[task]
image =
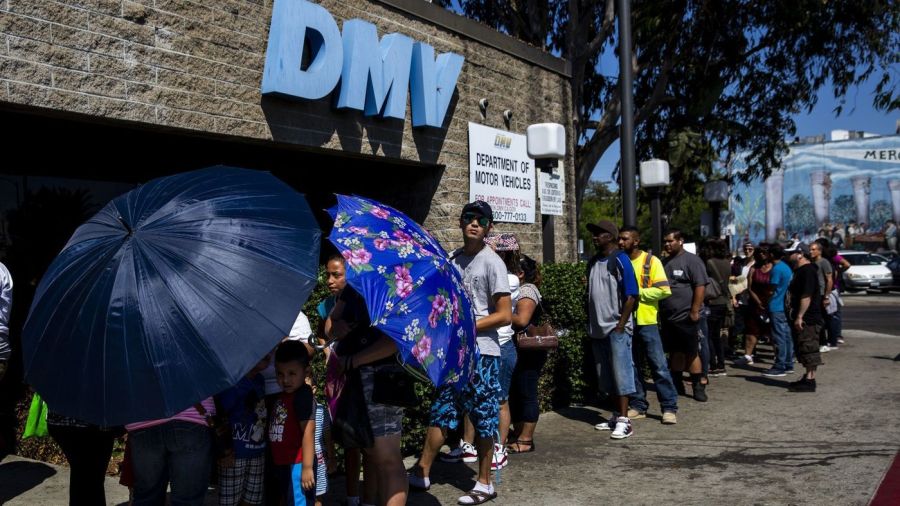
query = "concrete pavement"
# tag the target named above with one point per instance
(752, 443)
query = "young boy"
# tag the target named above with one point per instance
(292, 427)
(241, 479)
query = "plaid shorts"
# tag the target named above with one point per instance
(242, 481)
(480, 399)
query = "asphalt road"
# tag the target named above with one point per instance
(753, 443)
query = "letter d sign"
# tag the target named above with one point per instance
(296, 23)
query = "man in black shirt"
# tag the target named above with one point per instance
(806, 316)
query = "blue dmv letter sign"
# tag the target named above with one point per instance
(374, 74)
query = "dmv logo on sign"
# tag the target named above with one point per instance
(374, 74)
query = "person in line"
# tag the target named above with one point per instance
(756, 319)
(524, 404)
(612, 297)
(364, 350)
(718, 269)
(173, 453)
(680, 313)
(833, 318)
(806, 317)
(653, 286)
(336, 280)
(242, 471)
(825, 273)
(325, 461)
(87, 448)
(8, 422)
(780, 279)
(486, 281)
(292, 427)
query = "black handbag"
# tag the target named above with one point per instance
(351, 426)
(395, 387)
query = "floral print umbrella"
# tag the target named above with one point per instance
(412, 291)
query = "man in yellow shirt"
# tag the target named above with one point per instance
(653, 287)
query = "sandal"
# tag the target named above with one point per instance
(476, 497)
(518, 446)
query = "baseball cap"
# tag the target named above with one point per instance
(801, 248)
(603, 226)
(478, 207)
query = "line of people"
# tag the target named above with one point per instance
(271, 442)
(681, 313)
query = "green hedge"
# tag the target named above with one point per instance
(566, 379)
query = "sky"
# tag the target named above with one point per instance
(858, 114)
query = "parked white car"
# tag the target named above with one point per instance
(867, 271)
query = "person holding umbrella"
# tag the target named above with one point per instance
(485, 279)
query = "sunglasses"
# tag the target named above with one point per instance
(483, 221)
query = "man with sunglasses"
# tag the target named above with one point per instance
(485, 278)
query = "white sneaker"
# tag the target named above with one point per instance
(464, 452)
(745, 360)
(500, 459)
(608, 424)
(623, 428)
(824, 349)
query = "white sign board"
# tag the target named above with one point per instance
(501, 174)
(552, 188)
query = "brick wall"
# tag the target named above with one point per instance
(197, 65)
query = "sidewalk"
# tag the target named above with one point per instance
(752, 443)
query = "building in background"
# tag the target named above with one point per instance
(852, 178)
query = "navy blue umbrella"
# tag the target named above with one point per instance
(170, 294)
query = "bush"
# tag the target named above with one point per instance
(566, 379)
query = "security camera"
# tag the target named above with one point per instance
(507, 115)
(483, 104)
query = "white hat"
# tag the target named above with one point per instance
(301, 329)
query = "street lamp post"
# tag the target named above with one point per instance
(654, 177)
(626, 140)
(716, 192)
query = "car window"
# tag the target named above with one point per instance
(864, 259)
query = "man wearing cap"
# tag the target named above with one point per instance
(486, 282)
(612, 295)
(806, 316)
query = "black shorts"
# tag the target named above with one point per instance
(681, 336)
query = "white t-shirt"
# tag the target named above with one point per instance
(505, 334)
(301, 331)
(6, 286)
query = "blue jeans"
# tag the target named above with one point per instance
(833, 322)
(615, 367)
(175, 452)
(781, 334)
(703, 323)
(508, 359)
(649, 344)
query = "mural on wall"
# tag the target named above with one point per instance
(831, 183)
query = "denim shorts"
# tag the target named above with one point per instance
(386, 420)
(615, 368)
(508, 357)
(479, 399)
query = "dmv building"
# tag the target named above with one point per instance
(398, 100)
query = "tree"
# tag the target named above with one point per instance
(843, 210)
(718, 77)
(879, 215)
(799, 217)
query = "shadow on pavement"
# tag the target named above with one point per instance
(18, 477)
(772, 382)
(457, 475)
(580, 414)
